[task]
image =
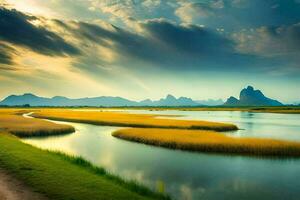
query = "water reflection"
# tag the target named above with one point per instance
(186, 175)
(262, 125)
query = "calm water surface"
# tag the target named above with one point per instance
(188, 175)
(263, 125)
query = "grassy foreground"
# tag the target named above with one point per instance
(209, 141)
(56, 175)
(61, 177)
(12, 121)
(129, 120)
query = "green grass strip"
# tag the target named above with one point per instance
(63, 177)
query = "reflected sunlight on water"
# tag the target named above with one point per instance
(186, 175)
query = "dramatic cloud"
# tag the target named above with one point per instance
(189, 12)
(270, 41)
(16, 28)
(158, 43)
(5, 55)
(191, 39)
(233, 15)
(136, 45)
(126, 8)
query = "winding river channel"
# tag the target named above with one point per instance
(186, 175)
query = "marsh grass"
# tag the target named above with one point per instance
(108, 118)
(260, 109)
(209, 141)
(12, 121)
(59, 176)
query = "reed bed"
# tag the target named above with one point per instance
(260, 109)
(209, 141)
(11, 121)
(110, 118)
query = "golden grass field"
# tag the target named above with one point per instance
(111, 118)
(279, 109)
(209, 141)
(13, 122)
(78, 178)
(145, 128)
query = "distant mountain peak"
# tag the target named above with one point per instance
(56, 97)
(28, 95)
(251, 97)
(170, 100)
(146, 102)
(231, 101)
(170, 97)
(250, 88)
(184, 98)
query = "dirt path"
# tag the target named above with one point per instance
(13, 189)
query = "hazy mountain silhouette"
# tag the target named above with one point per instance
(170, 101)
(33, 100)
(211, 102)
(232, 101)
(248, 97)
(251, 97)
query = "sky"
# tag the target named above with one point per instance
(141, 49)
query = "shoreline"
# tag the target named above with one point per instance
(253, 109)
(210, 142)
(39, 169)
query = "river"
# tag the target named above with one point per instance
(187, 175)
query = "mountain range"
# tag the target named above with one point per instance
(211, 102)
(248, 97)
(251, 97)
(105, 101)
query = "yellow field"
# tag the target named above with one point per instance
(280, 109)
(209, 141)
(129, 120)
(170, 133)
(12, 121)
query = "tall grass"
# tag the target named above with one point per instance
(40, 132)
(209, 141)
(11, 121)
(129, 120)
(261, 109)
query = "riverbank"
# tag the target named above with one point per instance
(61, 177)
(209, 141)
(55, 175)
